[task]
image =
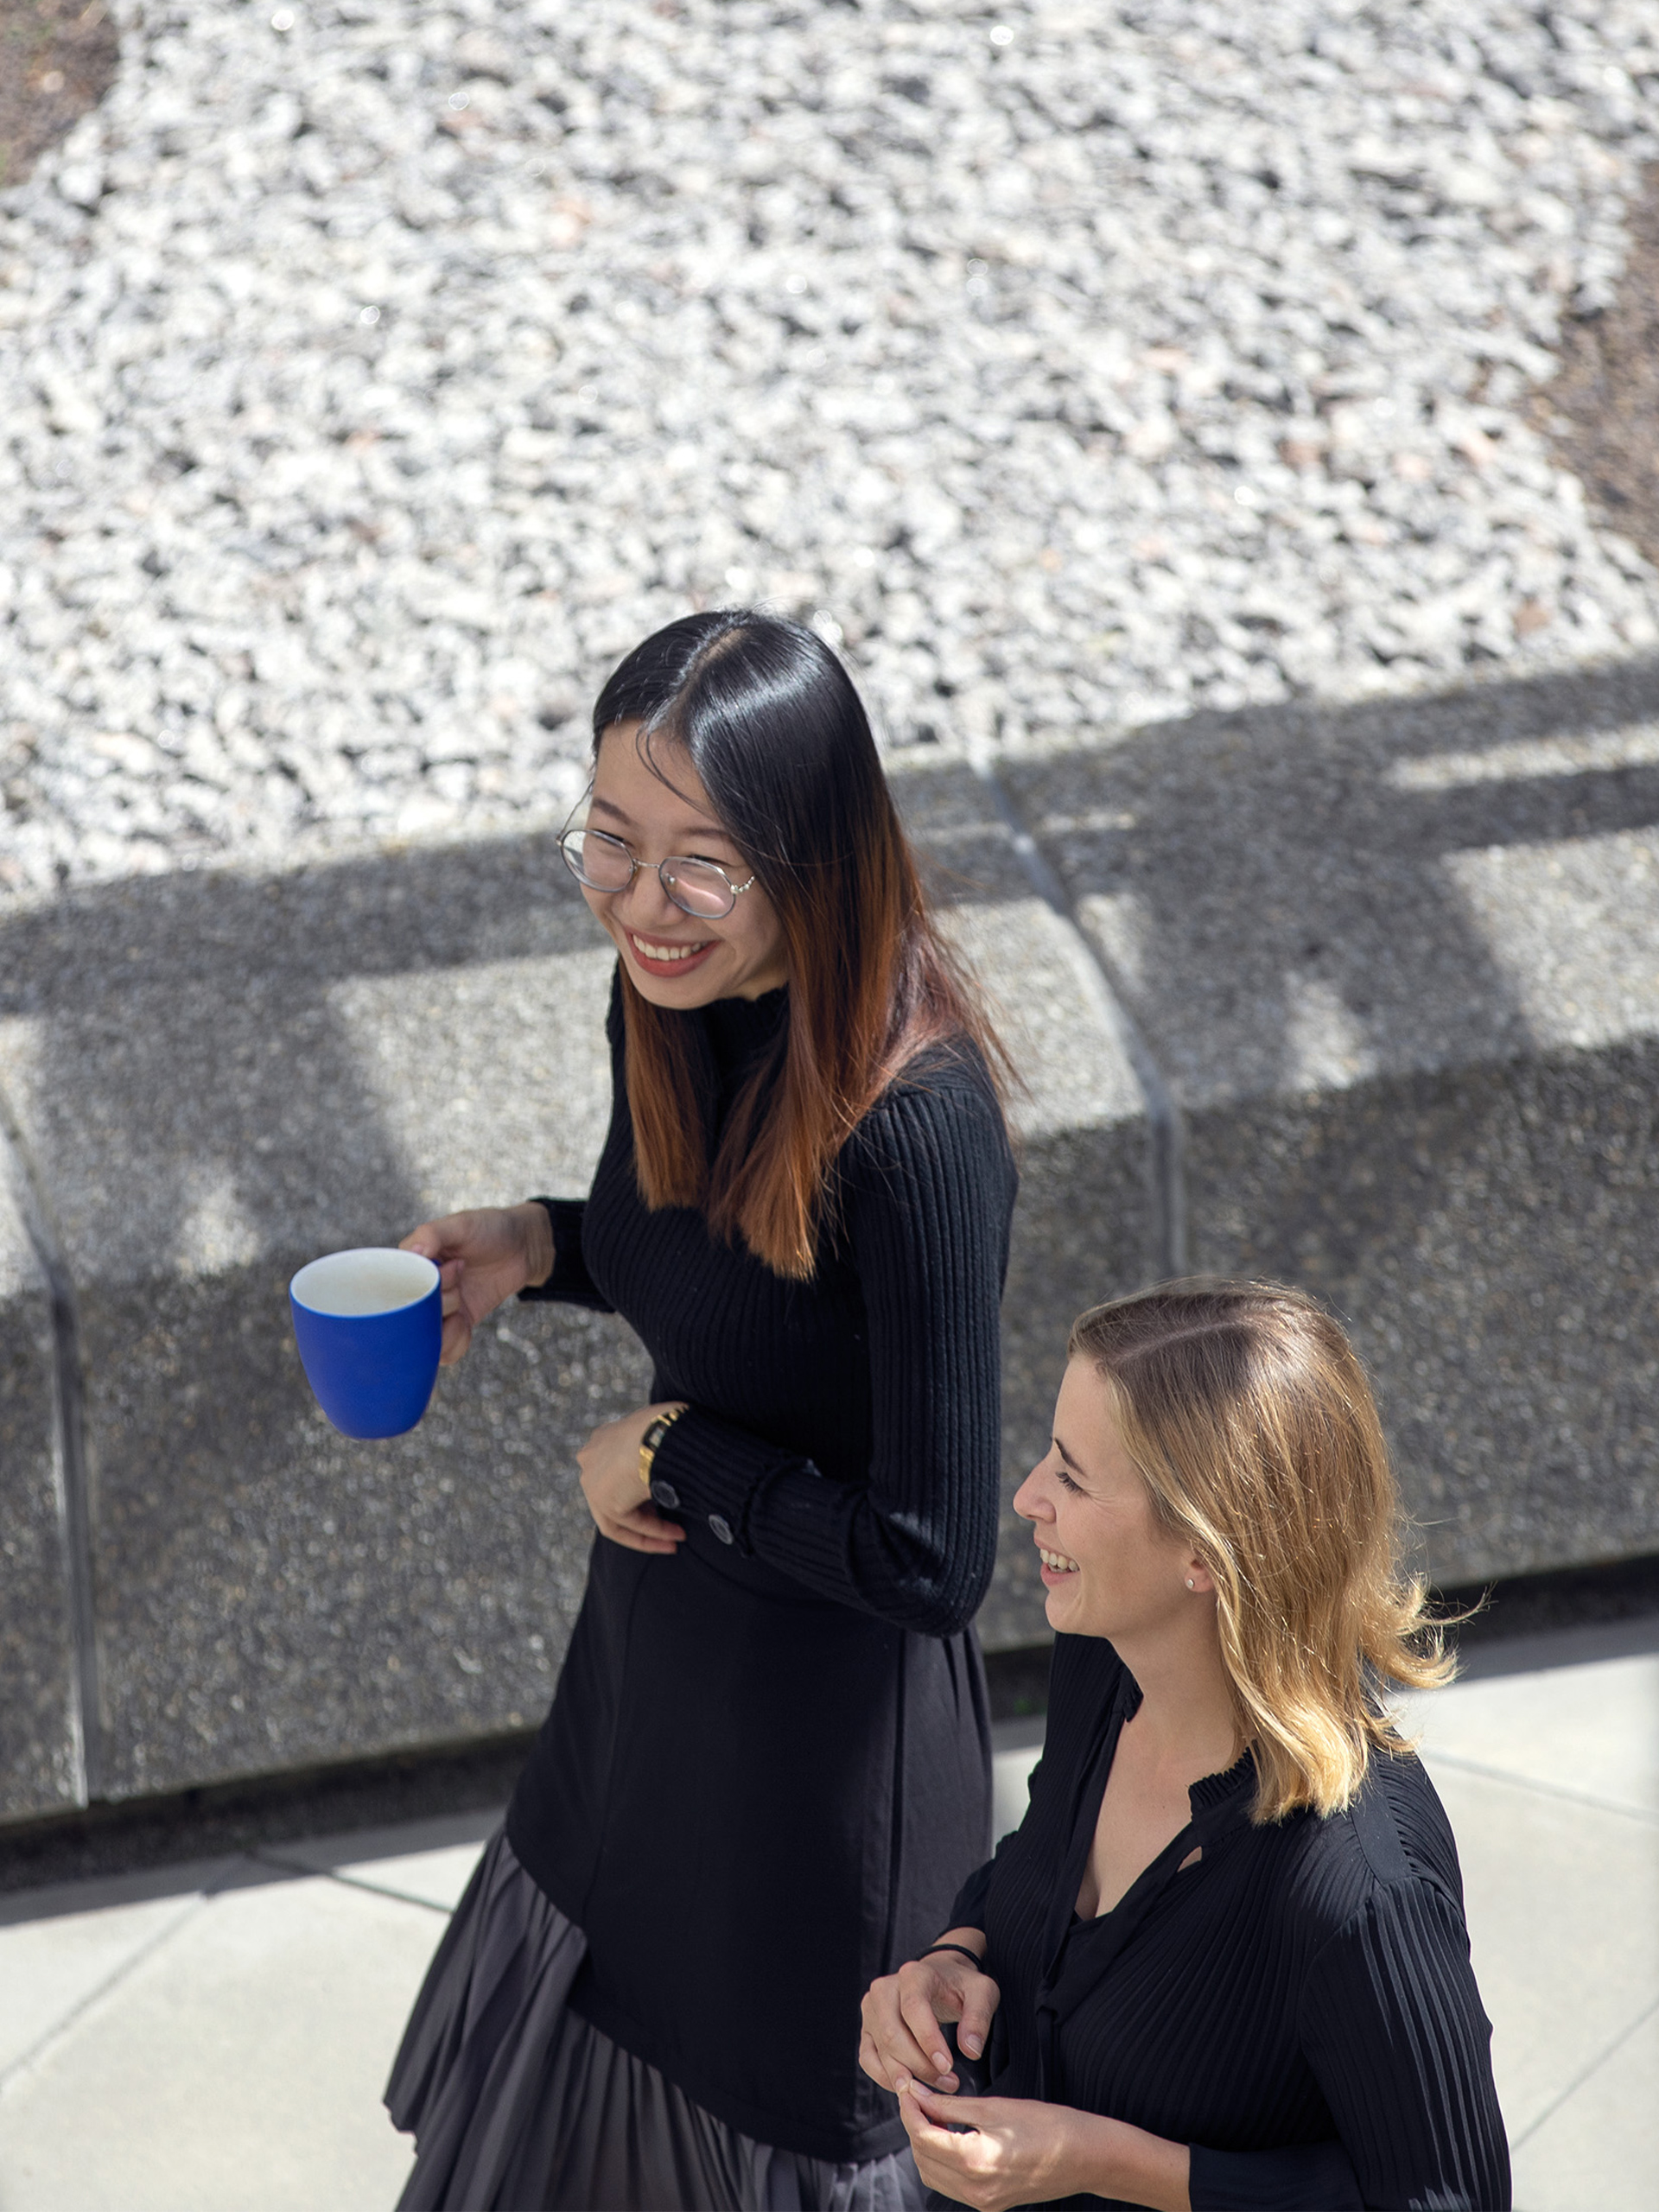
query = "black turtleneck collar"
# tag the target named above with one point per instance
(738, 1029)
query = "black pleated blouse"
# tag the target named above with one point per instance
(765, 1772)
(1298, 2006)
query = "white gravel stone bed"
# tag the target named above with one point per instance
(371, 374)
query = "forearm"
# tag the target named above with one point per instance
(1108, 2158)
(925, 1192)
(922, 1563)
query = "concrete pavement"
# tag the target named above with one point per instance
(214, 2038)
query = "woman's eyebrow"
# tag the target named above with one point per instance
(1066, 1455)
(704, 833)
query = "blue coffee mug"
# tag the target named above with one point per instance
(369, 1324)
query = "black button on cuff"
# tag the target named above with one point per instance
(665, 1494)
(723, 1528)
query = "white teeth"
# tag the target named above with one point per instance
(1057, 1562)
(663, 951)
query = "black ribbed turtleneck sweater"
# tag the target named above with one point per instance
(765, 1770)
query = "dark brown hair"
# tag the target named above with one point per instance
(777, 737)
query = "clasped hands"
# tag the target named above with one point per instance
(995, 2152)
(489, 1255)
(986, 2151)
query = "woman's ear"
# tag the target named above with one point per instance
(1197, 1577)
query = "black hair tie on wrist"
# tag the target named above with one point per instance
(975, 1956)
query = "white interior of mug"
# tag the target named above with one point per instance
(368, 1280)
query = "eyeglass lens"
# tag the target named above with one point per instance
(605, 864)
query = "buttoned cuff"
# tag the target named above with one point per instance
(714, 1469)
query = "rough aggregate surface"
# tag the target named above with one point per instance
(372, 375)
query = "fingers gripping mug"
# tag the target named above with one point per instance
(369, 1324)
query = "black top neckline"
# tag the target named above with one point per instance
(739, 1027)
(1208, 1791)
(1212, 1795)
(1215, 1789)
(1216, 1805)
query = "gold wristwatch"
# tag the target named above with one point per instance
(652, 1437)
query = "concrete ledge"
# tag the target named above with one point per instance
(220, 1078)
(298, 1596)
(1401, 966)
(1397, 966)
(1487, 1233)
(40, 1751)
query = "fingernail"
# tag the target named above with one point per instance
(970, 2043)
(942, 2059)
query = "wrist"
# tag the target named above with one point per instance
(951, 1951)
(1088, 2160)
(962, 1939)
(1101, 2157)
(655, 1430)
(537, 1239)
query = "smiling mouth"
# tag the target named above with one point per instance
(1057, 1562)
(647, 950)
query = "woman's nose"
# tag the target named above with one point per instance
(644, 900)
(1029, 1502)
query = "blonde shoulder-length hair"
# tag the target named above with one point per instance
(1247, 1411)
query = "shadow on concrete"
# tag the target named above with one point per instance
(1340, 929)
(1401, 962)
(1278, 898)
(187, 1058)
(207, 1110)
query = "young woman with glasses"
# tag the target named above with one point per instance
(1223, 1963)
(765, 1770)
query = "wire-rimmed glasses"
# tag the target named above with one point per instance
(602, 862)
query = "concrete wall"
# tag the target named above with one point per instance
(1397, 969)
(1401, 964)
(40, 1765)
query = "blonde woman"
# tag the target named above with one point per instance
(1223, 1963)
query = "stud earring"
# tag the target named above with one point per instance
(1191, 1584)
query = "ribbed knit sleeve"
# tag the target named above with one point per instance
(1393, 2025)
(569, 1284)
(969, 1909)
(926, 1191)
(1393, 2030)
(1307, 2177)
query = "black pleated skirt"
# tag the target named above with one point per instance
(517, 2103)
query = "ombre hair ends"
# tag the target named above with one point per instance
(768, 719)
(1247, 1411)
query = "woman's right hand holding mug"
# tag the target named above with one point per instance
(902, 2014)
(483, 1257)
